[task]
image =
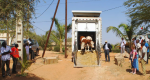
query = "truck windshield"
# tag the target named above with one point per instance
(148, 36)
(32, 41)
(1, 41)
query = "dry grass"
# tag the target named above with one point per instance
(87, 58)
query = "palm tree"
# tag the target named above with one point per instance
(128, 31)
(59, 35)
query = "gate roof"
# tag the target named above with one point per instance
(86, 13)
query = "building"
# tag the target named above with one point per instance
(3, 36)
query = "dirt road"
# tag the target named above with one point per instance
(64, 70)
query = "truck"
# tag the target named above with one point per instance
(86, 23)
(35, 46)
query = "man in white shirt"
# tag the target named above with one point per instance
(5, 52)
(135, 41)
(140, 40)
(27, 50)
(123, 43)
(144, 57)
(107, 48)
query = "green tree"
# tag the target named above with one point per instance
(9, 11)
(42, 41)
(139, 12)
(69, 39)
(128, 31)
(59, 35)
(9, 30)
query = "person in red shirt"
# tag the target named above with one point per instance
(15, 55)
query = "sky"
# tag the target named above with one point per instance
(112, 17)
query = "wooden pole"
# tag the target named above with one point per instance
(50, 28)
(66, 31)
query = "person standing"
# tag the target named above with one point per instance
(123, 43)
(133, 57)
(30, 48)
(27, 50)
(15, 56)
(141, 40)
(107, 48)
(147, 46)
(135, 41)
(138, 49)
(144, 57)
(5, 52)
(0, 54)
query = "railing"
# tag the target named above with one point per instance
(98, 51)
(74, 53)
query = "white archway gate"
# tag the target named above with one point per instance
(19, 34)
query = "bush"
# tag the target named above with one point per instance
(48, 48)
(57, 48)
(63, 49)
(40, 48)
(62, 53)
(116, 50)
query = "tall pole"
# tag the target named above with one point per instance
(50, 28)
(66, 31)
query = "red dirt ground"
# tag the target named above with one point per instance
(64, 70)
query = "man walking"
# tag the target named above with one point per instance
(5, 52)
(15, 55)
(144, 57)
(147, 46)
(107, 47)
(123, 43)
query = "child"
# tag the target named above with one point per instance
(27, 50)
(133, 58)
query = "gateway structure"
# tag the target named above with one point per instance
(86, 23)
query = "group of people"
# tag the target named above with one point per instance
(139, 53)
(6, 53)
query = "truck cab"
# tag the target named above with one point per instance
(35, 46)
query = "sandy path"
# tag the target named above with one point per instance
(64, 70)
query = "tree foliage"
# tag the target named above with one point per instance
(139, 11)
(58, 36)
(9, 11)
(9, 8)
(69, 39)
(128, 31)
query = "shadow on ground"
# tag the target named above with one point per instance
(28, 77)
(148, 72)
(14, 77)
(138, 73)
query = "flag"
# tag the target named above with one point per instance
(141, 27)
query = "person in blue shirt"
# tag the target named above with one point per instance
(147, 46)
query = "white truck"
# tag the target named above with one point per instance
(146, 37)
(86, 23)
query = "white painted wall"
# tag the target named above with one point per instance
(3, 36)
(86, 24)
